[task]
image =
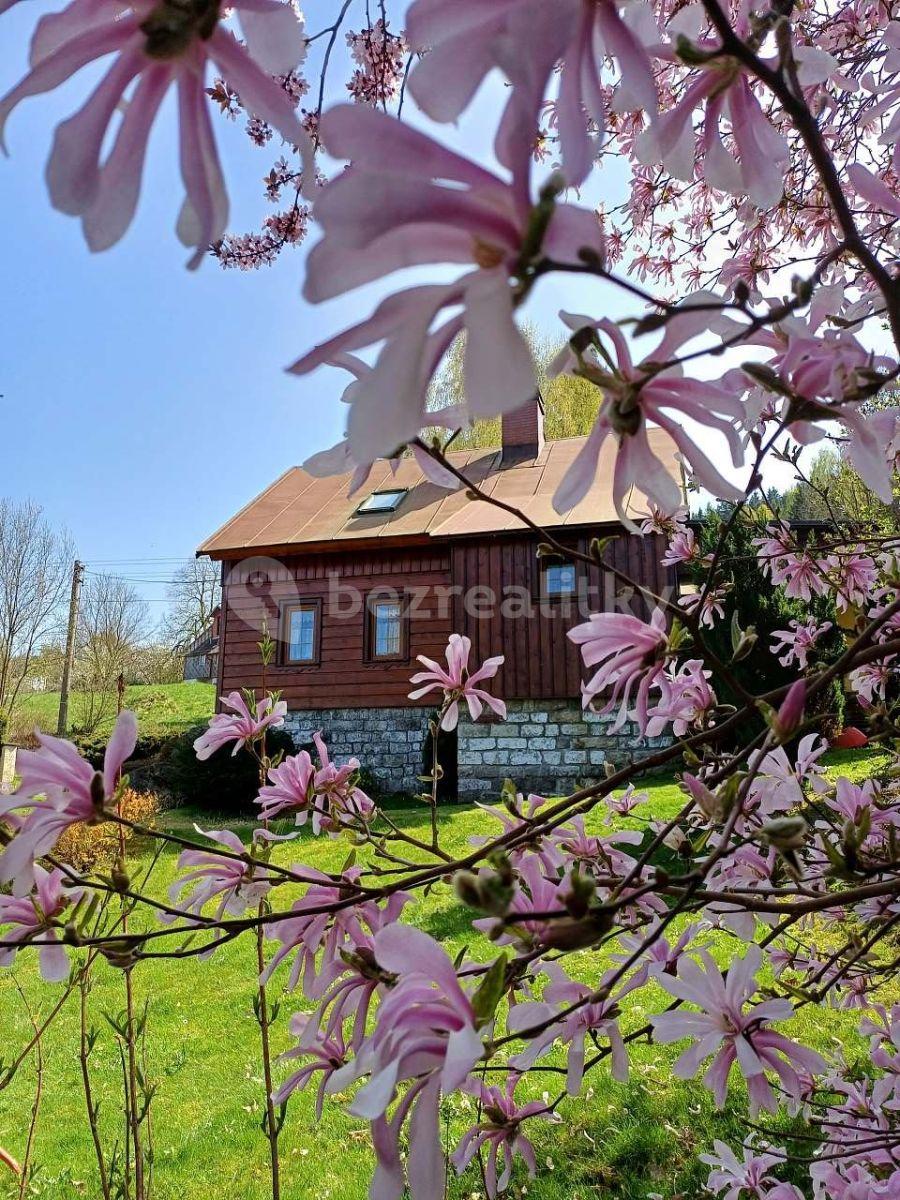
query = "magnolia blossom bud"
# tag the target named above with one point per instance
(119, 875)
(465, 884)
(785, 833)
(570, 934)
(98, 794)
(488, 890)
(790, 715)
(580, 895)
(711, 804)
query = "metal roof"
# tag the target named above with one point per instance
(300, 510)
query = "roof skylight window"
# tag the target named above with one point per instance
(383, 502)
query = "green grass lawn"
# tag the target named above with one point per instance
(618, 1140)
(161, 708)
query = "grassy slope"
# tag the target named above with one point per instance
(161, 708)
(625, 1140)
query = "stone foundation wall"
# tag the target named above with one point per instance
(545, 746)
(387, 741)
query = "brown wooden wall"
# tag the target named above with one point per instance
(342, 679)
(541, 663)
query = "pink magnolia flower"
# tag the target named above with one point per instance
(592, 1016)
(240, 725)
(824, 371)
(756, 166)
(595, 853)
(779, 785)
(801, 575)
(623, 805)
(516, 819)
(71, 791)
(629, 655)
(38, 916)
(534, 893)
(856, 575)
(795, 644)
(296, 786)
(407, 201)
(426, 1033)
(500, 1131)
(746, 1178)
(685, 699)
(861, 804)
(745, 868)
(333, 947)
(661, 957)
(725, 1029)
(526, 39)
(328, 1055)
(635, 395)
(774, 548)
(706, 607)
(883, 1030)
(668, 524)
(852, 1181)
(870, 681)
(235, 883)
(682, 548)
(158, 45)
(338, 459)
(883, 598)
(457, 684)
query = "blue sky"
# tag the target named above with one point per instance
(142, 403)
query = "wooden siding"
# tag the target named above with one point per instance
(541, 662)
(343, 677)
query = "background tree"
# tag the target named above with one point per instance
(35, 567)
(570, 403)
(830, 489)
(157, 662)
(46, 667)
(193, 594)
(113, 623)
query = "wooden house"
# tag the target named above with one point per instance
(352, 590)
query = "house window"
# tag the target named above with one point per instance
(559, 580)
(386, 631)
(382, 502)
(301, 632)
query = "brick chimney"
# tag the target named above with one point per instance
(523, 432)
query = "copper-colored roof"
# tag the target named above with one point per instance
(298, 509)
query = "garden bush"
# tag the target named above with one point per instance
(96, 847)
(148, 746)
(222, 783)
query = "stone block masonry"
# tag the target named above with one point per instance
(387, 741)
(545, 746)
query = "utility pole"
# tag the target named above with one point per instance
(63, 720)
